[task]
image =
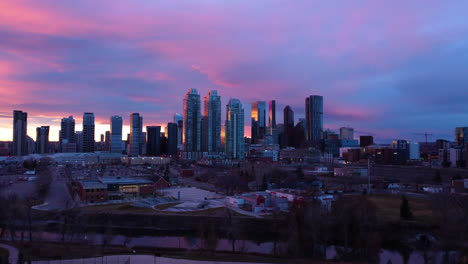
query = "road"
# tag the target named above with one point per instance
(58, 196)
(13, 258)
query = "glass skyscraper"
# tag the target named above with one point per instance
(234, 130)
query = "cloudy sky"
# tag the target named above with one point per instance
(387, 68)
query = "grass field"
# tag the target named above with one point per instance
(388, 208)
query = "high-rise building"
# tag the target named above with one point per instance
(414, 151)
(258, 121)
(234, 129)
(365, 141)
(153, 147)
(192, 121)
(79, 141)
(172, 135)
(136, 135)
(67, 132)
(288, 125)
(116, 134)
(314, 118)
(347, 133)
(20, 127)
(179, 120)
(88, 132)
(299, 133)
(461, 136)
(273, 130)
(42, 139)
(211, 131)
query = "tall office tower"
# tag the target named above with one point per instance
(20, 126)
(88, 132)
(258, 121)
(79, 141)
(365, 141)
(116, 134)
(314, 118)
(211, 131)
(107, 141)
(299, 133)
(461, 136)
(136, 135)
(67, 132)
(234, 130)
(172, 135)
(179, 120)
(273, 130)
(153, 147)
(42, 139)
(288, 125)
(347, 133)
(192, 121)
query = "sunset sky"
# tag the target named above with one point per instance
(387, 68)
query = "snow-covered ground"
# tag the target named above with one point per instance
(193, 199)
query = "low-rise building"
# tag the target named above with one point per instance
(92, 191)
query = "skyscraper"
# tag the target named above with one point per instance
(192, 121)
(153, 147)
(288, 125)
(258, 121)
(88, 132)
(234, 130)
(172, 135)
(347, 133)
(20, 126)
(461, 136)
(211, 131)
(179, 120)
(314, 118)
(116, 134)
(42, 139)
(136, 134)
(273, 131)
(67, 130)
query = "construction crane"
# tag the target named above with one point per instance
(425, 134)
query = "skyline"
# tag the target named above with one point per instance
(384, 76)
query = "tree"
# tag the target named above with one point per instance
(405, 210)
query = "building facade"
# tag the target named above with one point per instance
(179, 121)
(314, 118)
(153, 145)
(20, 127)
(347, 133)
(211, 131)
(116, 125)
(136, 135)
(88, 132)
(365, 141)
(272, 129)
(67, 137)
(192, 121)
(288, 120)
(258, 116)
(234, 130)
(461, 136)
(172, 136)
(42, 140)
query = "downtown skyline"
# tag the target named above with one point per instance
(382, 76)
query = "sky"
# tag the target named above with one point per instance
(391, 69)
